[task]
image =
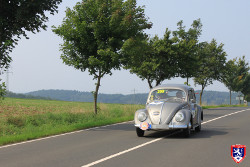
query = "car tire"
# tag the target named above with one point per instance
(139, 132)
(187, 132)
(198, 128)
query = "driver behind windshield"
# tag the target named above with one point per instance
(179, 94)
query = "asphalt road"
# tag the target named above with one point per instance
(118, 146)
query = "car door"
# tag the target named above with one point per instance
(194, 108)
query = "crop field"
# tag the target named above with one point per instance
(26, 119)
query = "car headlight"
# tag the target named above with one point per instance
(142, 116)
(179, 117)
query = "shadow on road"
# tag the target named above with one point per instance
(118, 127)
(205, 133)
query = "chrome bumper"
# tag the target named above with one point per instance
(166, 127)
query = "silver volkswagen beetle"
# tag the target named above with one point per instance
(169, 107)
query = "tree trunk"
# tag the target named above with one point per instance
(157, 83)
(96, 92)
(202, 88)
(230, 96)
(187, 80)
(200, 97)
(149, 84)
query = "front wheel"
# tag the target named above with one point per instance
(139, 132)
(198, 128)
(187, 132)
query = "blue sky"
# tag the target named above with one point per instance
(37, 65)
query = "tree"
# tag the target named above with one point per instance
(151, 59)
(212, 62)
(236, 76)
(246, 87)
(19, 16)
(187, 44)
(242, 76)
(94, 32)
(229, 76)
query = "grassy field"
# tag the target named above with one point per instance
(26, 119)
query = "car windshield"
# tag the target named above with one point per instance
(174, 95)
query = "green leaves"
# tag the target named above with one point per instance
(2, 90)
(19, 16)
(16, 18)
(94, 32)
(151, 59)
(158, 59)
(186, 48)
(236, 76)
(212, 59)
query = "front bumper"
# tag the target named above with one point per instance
(166, 127)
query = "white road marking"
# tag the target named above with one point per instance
(125, 151)
(49, 137)
(224, 116)
(150, 142)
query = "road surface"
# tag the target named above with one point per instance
(118, 146)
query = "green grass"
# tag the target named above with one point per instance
(26, 119)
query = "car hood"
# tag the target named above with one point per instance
(162, 112)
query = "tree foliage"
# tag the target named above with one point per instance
(242, 80)
(158, 59)
(186, 48)
(229, 76)
(212, 63)
(19, 16)
(151, 59)
(2, 90)
(242, 71)
(236, 76)
(94, 32)
(246, 87)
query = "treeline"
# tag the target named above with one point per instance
(209, 97)
(113, 37)
(25, 96)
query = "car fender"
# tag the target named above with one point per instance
(188, 116)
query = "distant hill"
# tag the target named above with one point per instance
(25, 96)
(73, 95)
(209, 97)
(216, 97)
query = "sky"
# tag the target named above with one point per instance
(37, 65)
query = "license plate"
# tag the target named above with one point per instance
(145, 126)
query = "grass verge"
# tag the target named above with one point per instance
(26, 119)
